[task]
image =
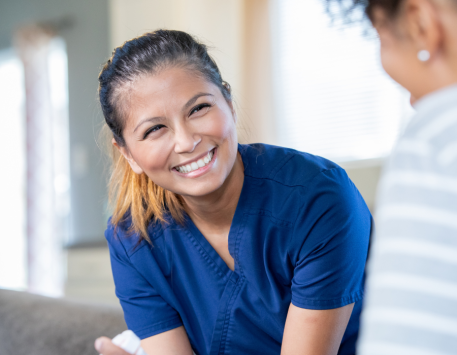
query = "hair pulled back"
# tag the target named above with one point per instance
(148, 54)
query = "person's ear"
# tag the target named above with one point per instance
(230, 102)
(423, 26)
(125, 152)
(379, 18)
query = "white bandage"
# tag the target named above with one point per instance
(129, 342)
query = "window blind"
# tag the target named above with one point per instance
(332, 96)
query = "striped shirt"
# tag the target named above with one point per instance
(411, 298)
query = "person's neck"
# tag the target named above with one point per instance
(436, 81)
(214, 213)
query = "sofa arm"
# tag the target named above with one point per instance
(37, 325)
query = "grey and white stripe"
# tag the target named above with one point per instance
(416, 219)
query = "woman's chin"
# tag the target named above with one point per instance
(199, 190)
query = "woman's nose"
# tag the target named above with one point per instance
(185, 141)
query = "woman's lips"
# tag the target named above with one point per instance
(196, 168)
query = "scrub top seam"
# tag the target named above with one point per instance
(228, 317)
(278, 167)
(157, 328)
(116, 234)
(204, 254)
(127, 254)
(267, 213)
(142, 244)
(340, 298)
(300, 210)
(240, 232)
(296, 185)
(238, 242)
(324, 304)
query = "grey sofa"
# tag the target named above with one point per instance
(36, 325)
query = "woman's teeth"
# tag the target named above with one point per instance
(200, 163)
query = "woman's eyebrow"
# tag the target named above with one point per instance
(194, 98)
(151, 119)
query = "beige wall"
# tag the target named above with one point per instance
(257, 106)
(238, 34)
(218, 23)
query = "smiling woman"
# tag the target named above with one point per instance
(151, 88)
(218, 247)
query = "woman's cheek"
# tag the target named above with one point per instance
(154, 156)
(216, 126)
(226, 126)
(389, 56)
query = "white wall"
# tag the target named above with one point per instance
(89, 276)
(365, 175)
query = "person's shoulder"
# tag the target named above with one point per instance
(121, 235)
(283, 165)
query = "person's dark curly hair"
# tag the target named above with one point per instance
(346, 8)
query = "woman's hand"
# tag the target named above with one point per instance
(105, 346)
(314, 332)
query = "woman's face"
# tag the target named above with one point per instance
(180, 131)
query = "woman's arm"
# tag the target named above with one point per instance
(172, 342)
(314, 332)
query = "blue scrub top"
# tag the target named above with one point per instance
(300, 234)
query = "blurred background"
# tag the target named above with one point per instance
(299, 80)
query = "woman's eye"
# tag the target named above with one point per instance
(153, 129)
(199, 108)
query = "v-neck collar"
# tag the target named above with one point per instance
(236, 229)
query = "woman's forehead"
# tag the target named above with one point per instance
(166, 91)
(169, 83)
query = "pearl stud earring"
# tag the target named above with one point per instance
(423, 55)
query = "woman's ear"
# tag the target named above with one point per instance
(125, 152)
(423, 25)
(230, 102)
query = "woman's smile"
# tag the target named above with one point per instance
(197, 167)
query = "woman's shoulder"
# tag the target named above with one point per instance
(121, 235)
(284, 165)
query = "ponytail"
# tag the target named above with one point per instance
(139, 195)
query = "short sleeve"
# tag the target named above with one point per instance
(145, 311)
(330, 243)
